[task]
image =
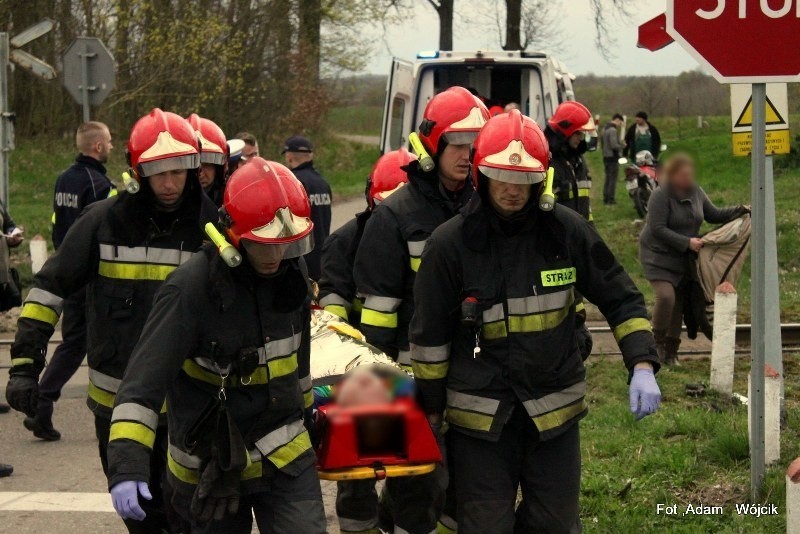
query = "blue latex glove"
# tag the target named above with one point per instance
(125, 497)
(644, 393)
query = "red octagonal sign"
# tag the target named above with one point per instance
(741, 41)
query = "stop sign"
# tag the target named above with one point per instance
(740, 41)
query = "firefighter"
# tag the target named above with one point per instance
(337, 289)
(566, 133)
(391, 247)
(493, 338)
(213, 157)
(121, 250)
(229, 348)
(81, 184)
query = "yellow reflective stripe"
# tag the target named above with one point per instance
(556, 418)
(637, 324)
(407, 368)
(470, 420)
(101, 397)
(184, 474)
(21, 361)
(582, 193)
(430, 371)
(135, 271)
(336, 309)
(253, 470)
(415, 263)
(308, 399)
(198, 373)
(282, 366)
(375, 318)
(134, 431)
(536, 323)
(441, 528)
(53, 218)
(288, 453)
(494, 330)
(579, 307)
(33, 310)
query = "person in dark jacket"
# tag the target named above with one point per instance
(391, 247)
(229, 347)
(670, 236)
(213, 157)
(337, 288)
(84, 183)
(121, 250)
(299, 154)
(612, 150)
(642, 135)
(566, 133)
(493, 338)
(13, 237)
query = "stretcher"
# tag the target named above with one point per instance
(364, 442)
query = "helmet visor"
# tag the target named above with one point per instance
(460, 138)
(215, 158)
(149, 168)
(512, 177)
(281, 251)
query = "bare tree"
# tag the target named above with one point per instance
(604, 12)
(445, 9)
(513, 25)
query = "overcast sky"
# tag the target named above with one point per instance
(577, 50)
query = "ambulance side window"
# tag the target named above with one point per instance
(396, 139)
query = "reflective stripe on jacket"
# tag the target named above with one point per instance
(525, 283)
(206, 321)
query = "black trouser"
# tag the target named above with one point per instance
(158, 515)
(290, 504)
(612, 175)
(68, 356)
(489, 474)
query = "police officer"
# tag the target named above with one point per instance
(121, 250)
(229, 347)
(299, 155)
(494, 338)
(213, 157)
(337, 288)
(83, 183)
(389, 255)
(566, 133)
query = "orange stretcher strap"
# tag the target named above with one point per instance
(378, 472)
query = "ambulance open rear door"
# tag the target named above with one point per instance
(397, 113)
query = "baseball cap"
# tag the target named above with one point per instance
(297, 143)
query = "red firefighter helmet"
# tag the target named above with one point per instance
(387, 176)
(455, 114)
(162, 141)
(265, 203)
(571, 117)
(213, 145)
(511, 148)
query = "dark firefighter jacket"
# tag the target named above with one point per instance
(122, 252)
(572, 184)
(84, 182)
(337, 288)
(389, 256)
(320, 198)
(208, 322)
(524, 281)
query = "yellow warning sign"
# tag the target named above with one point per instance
(746, 118)
(777, 119)
(778, 142)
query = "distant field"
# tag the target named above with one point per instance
(356, 120)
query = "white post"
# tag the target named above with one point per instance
(723, 343)
(699, 122)
(38, 253)
(773, 385)
(792, 506)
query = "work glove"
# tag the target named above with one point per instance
(585, 341)
(644, 393)
(125, 498)
(217, 493)
(22, 393)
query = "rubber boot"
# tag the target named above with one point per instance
(671, 346)
(661, 337)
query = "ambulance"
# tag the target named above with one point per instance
(536, 81)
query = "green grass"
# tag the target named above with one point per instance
(692, 451)
(356, 120)
(726, 179)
